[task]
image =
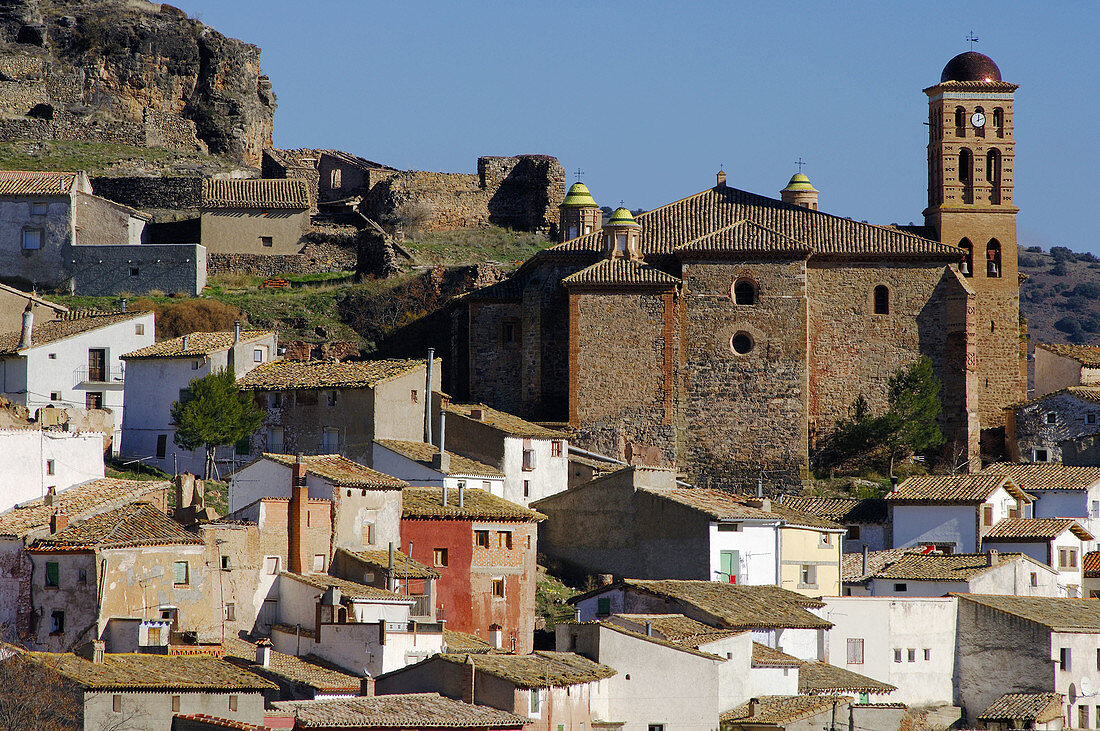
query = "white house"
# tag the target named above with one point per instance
(73, 360)
(1057, 542)
(1060, 491)
(953, 512)
(422, 465)
(936, 574)
(39, 460)
(866, 519)
(534, 459)
(159, 375)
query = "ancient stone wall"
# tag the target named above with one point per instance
(315, 258)
(168, 193)
(172, 131)
(304, 350)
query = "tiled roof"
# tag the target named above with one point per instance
(461, 642)
(404, 710)
(1063, 615)
(64, 326)
(348, 589)
(782, 709)
(254, 193)
(1091, 564)
(974, 86)
(741, 239)
(340, 470)
(26, 182)
(1085, 393)
(33, 297)
(78, 501)
(288, 667)
(1036, 529)
(723, 505)
(1086, 355)
(423, 452)
(285, 375)
(620, 273)
(403, 566)
(505, 422)
(940, 567)
(1037, 707)
(136, 524)
(732, 606)
(821, 677)
(769, 657)
(142, 671)
(1045, 475)
(954, 488)
(204, 722)
(852, 563)
(427, 503)
(839, 510)
(541, 669)
(197, 344)
(685, 646)
(716, 208)
(679, 629)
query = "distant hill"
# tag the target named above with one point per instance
(1061, 296)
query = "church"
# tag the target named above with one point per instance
(726, 333)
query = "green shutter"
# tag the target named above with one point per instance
(180, 568)
(731, 564)
(53, 575)
(534, 700)
(603, 606)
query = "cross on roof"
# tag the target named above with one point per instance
(579, 173)
(799, 163)
(971, 39)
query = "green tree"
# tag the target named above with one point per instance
(214, 412)
(909, 425)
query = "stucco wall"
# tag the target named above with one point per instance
(153, 711)
(49, 265)
(75, 457)
(804, 547)
(1070, 413)
(1054, 372)
(238, 231)
(917, 524)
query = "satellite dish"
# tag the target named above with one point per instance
(1085, 686)
(1072, 694)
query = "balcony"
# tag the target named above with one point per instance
(422, 607)
(87, 376)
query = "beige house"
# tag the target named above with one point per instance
(1060, 365)
(13, 302)
(253, 216)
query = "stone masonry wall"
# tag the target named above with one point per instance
(167, 193)
(116, 269)
(315, 258)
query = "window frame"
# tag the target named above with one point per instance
(23, 239)
(481, 538)
(52, 577)
(440, 557)
(176, 573)
(498, 588)
(855, 643)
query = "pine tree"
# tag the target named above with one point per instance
(909, 425)
(213, 413)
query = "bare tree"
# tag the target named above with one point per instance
(34, 696)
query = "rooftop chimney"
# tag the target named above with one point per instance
(462, 493)
(496, 636)
(122, 304)
(236, 331)
(25, 336)
(992, 558)
(441, 460)
(263, 652)
(752, 707)
(605, 579)
(51, 496)
(183, 344)
(58, 522)
(91, 651)
(297, 515)
(648, 629)
(366, 686)
(865, 552)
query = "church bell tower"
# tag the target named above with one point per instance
(971, 153)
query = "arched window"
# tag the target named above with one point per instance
(744, 292)
(979, 131)
(882, 300)
(999, 122)
(960, 122)
(993, 259)
(966, 266)
(966, 174)
(993, 174)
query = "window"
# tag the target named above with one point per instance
(275, 439)
(912, 655)
(1064, 659)
(318, 562)
(603, 607)
(741, 343)
(276, 399)
(1034, 579)
(243, 446)
(332, 397)
(38, 209)
(993, 174)
(329, 440)
(987, 515)
(1067, 558)
(534, 700)
(153, 636)
(57, 622)
(901, 587)
(55, 395)
(927, 654)
(966, 174)
(53, 575)
(175, 704)
(808, 575)
(999, 121)
(49, 467)
(744, 292)
(855, 651)
(233, 703)
(656, 727)
(527, 488)
(32, 239)
(271, 565)
(93, 400)
(116, 703)
(504, 540)
(335, 178)
(1098, 658)
(960, 122)
(162, 446)
(1090, 418)
(227, 563)
(966, 267)
(555, 448)
(882, 300)
(1082, 716)
(97, 364)
(257, 355)
(729, 527)
(82, 576)
(135, 272)
(439, 556)
(1094, 510)
(528, 459)
(509, 332)
(826, 539)
(481, 538)
(897, 655)
(1040, 455)
(180, 573)
(853, 532)
(413, 398)
(139, 329)
(498, 587)
(993, 259)
(266, 241)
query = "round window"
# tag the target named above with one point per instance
(741, 343)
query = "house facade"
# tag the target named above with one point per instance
(1060, 365)
(866, 519)
(1057, 542)
(259, 217)
(38, 461)
(1060, 491)
(1060, 426)
(423, 465)
(993, 572)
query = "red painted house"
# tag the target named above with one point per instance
(483, 547)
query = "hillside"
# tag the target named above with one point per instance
(1061, 296)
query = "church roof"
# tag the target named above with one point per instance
(742, 238)
(971, 66)
(622, 217)
(620, 273)
(578, 197)
(711, 210)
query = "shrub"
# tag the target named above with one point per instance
(1059, 268)
(1061, 253)
(188, 316)
(1088, 289)
(414, 215)
(1070, 325)
(1035, 249)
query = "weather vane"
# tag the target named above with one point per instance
(799, 163)
(971, 39)
(579, 173)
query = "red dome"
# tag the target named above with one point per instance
(970, 66)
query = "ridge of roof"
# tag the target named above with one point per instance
(540, 669)
(1036, 528)
(622, 273)
(290, 193)
(339, 470)
(954, 488)
(79, 501)
(503, 421)
(942, 567)
(136, 524)
(66, 325)
(1046, 475)
(1055, 613)
(289, 375)
(426, 503)
(198, 343)
(351, 590)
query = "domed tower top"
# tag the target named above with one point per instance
(623, 236)
(799, 192)
(578, 214)
(579, 196)
(970, 66)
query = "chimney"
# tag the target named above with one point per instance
(428, 396)
(469, 670)
(26, 336)
(263, 652)
(576, 614)
(441, 460)
(462, 493)
(389, 575)
(444, 493)
(992, 558)
(721, 178)
(236, 331)
(648, 629)
(183, 344)
(185, 490)
(752, 707)
(605, 579)
(366, 687)
(58, 522)
(297, 513)
(122, 304)
(51, 496)
(91, 651)
(496, 636)
(865, 552)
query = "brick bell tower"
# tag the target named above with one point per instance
(971, 154)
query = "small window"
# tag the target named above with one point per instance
(414, 397)
(656, 727)
(55, 395)
(901, 587)
(32, 239)
(855, 651)
(330, 439)
(853, 532)
(504, 540)
(826, 539)
(509, 332)
(987, 515)
(527, 488)
(266, 241)
(82, 576)
(912, 655)
(135, 272)
(897, 654)
(729, 527)
(180, 573)
(49, 467)
(116, 703)
(257, 355)
(809, 575)
(1034, 579)
(481, 538)
(175, 704)
(57, 622)
(1040, 455)
(276, 399)
(555, 446)
(744, 292)
(227, 563)
(332, 397)
(1064, 658)
(275, 439)
(882, 300)
(1067, 558)
(139, 329)
(439, 556)
(233, 703)
(927, 654)
(162, 445)
(1051, 418)
(53, 356)
(603, 607)
(741, 343)
(528, 459)
(38, 209)
(1090, 418)
(498, 587)
(53, 575)
(486, 486)
(534, 700)
(318, 563)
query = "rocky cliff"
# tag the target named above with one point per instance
(130, 72)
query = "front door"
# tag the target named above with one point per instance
(97, 363)
(731, 566)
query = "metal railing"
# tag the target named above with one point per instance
(100, 375)
(422, 607)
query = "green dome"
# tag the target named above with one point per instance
(622, 217)
(800, 182)
(578, 197)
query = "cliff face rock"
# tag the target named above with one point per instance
(131, 72)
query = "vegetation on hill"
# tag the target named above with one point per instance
(1061, 296)
(484, 244)
(101, 158)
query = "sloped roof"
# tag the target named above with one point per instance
(821, 677)
(1062, 615)
(340, 470)
(348, 589)
(1037, 707)
(1091, 564)
(400, 710)
(741, 239)
(423, 452)
(852, 563)
(686, 646)
(502, 421)
(1085, 393)
(288, 667)
(839, 509)
(1045, 529)
(769, 657)
(1086, 355)
(540, 669)
(462, 642)
(679, 629)
(255, 193)
(954, 488)
(33, 297)
(713, 209)
(427, 503)
(136, 524)
(940, 567)
(27, 182)
(782, 709)
(403, 566)
(620, 273)
(205, 722)
(65, 325)
(723, 505)
(1045, 475)
(197, 344)
(286, 375)
(78, 501)
(141, 671)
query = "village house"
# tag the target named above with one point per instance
(791, 713)
(867, 519)
(937, 574)
(160, 375)
(407, 711)
(250, 216)
(14, 302)
(640, 522)
(333, 407)
(858, 568)
(953, 512)
(144, 692)
(72, 360)
(40, 460)
(1060, 491)
(1057, 542)
(393, 571)
(547, 689)
(1061, 365)
(484, 548)
(1090, 566)
(297, 678)
(423, 465)
(1023, 710)
(331, 176)
(1060, 426)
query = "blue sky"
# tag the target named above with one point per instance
(649, 99)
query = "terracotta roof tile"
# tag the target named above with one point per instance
(288, 667)
(685, 646)
(852, 563)
(1062, 615)
(541, 669)
(66, 325)
(340, 470)
(1036, 529)
(679, 629)
(839, 510)
(153, 672)
(940, 567)
(1036, 707)
(782, 709)
(1085, 393)
(769, 657)
(197, 344)
(212, 722)
(461, 642)
(288, 375)
(26, 182)
(254, 193)
(821, 677)
(1045, 475)
(504, 422)
(740, 240)
(78, 501)
(1086, 355)
(136, 524)
(348, 589)
(620, 273)
(423, 452)
(403, 566)
(405, 710)
(723, 505)
(427, 503)
(1091, 564)
(953, 488)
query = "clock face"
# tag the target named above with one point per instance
(977, 119)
